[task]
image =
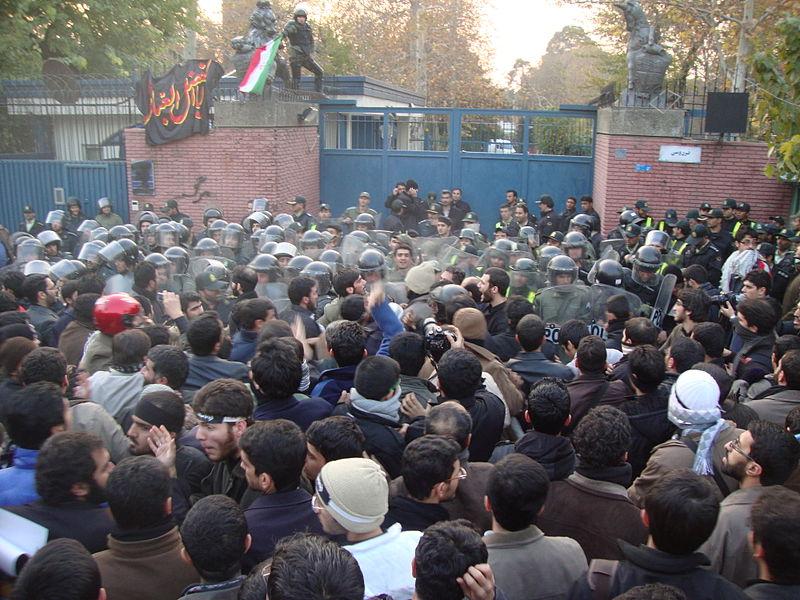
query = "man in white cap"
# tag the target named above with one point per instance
(351, 498)
(699, 443)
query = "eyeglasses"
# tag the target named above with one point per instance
(462, 474)
(734, 444)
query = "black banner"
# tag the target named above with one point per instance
(176, 105)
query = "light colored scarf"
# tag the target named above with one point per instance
(707, 421)
(388, 409)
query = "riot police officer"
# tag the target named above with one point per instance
(301, 49)
(644, 280)
(523, 279)
(704, 253)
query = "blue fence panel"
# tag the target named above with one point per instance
(485, 152)
(31, 182)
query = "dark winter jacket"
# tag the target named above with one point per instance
(412, 514)
(650, 427)
(643, 565)
(553, 452)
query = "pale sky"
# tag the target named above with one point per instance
(522, 28)
(516, 28)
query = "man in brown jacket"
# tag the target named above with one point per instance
(73, 338)
(592, 506)
(143, 559)
(452, 420)
(701, 439)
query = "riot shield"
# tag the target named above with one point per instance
(661, 305)
(513, 257)
(611, 249)
(600, 293)
(276, 291)
(352, 247)
(558, 304)
(431, 248)
(452, 256)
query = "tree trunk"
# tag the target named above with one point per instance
(418, 57)
(745, 47)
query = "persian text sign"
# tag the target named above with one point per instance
(680, 154)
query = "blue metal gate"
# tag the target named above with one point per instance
(36, 183)
(485, 152)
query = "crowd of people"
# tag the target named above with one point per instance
(402, 405)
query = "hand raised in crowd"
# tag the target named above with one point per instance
(411, 407)
(376, 295)
(727, 311)
(478, 583)
(172, 305)
(163, 446)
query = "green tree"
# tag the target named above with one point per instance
(777, 72)
(94, 36)
(572, 71)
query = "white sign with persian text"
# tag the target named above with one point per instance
(680, 154)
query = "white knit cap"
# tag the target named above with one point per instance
(694, 399)
(355, 493)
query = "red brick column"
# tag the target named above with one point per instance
(729, 169)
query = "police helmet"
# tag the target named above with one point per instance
(333, 259)
(445, 294)
(297, 264)
(166, 235)
(179, 257)
(157, 259)
(360, 235)
(232, 236)
(626, 217)
(365, 219)
(468, 234)
(265, 263)
(54, 216)
(67, 269)
(658, 239)
(300, 12)
(561, 265)
(647, 258)
(88, 225)
(211, 214)
(183, 231)
(505, 245)
(147, 217)
(101, 233)
(36, 267)
(526, 265)
(582, 221)
(285, 249)
(206, 246)
(268, 247)
(322, 273)
(312, 239)
(607, 272)
(283, 220)
(256, 218)
(90, 251)
(118, 232)
(48, 237)
(371, 261)
(273, 233)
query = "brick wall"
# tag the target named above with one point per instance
(730, 169)
(239, 164)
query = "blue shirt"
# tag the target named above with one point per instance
(18, 483)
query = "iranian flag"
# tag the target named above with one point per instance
(261, 65)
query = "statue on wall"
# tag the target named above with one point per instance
(263, 28)
(647, 59)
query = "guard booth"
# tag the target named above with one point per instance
(483, 151)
